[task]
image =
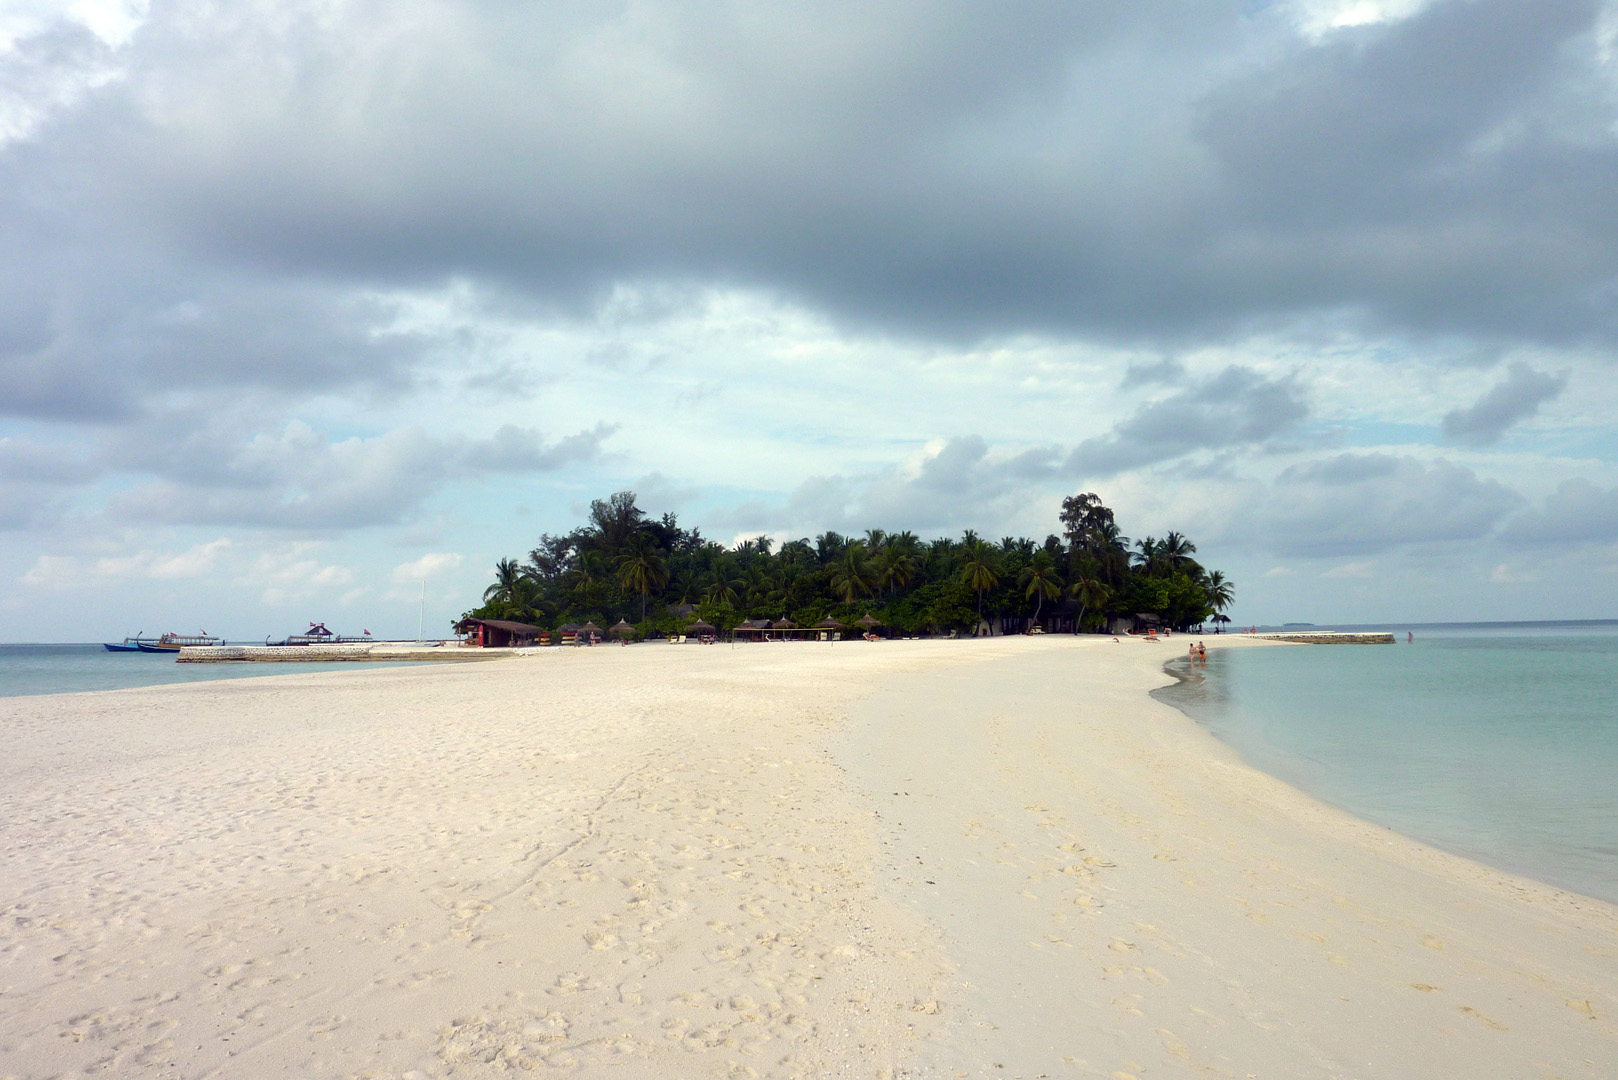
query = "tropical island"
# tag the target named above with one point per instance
(654, 576)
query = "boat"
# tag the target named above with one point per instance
(129, 644)
(317, 634)
(173, 643)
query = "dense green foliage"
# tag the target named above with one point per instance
(624, 564)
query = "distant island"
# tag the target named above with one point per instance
(658, 577)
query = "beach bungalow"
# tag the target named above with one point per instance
(497, 633)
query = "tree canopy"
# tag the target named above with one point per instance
(623, 564)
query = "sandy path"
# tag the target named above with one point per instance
(638, 858)
(1124, 898)
(979, 859)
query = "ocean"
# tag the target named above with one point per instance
(61, 669)
(1494, 741)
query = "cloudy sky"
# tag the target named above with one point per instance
(304, 303)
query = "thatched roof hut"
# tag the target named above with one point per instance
(701, 627)
(498, 633)
(869, 621)
(783, 624)
(622, 627)
(830, 623)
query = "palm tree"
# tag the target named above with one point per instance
(508, 575)
(586, 574)
(978, 567)
(1220, 592)
(723, 585)
(1176, 551)
(758, 588)
(641, 567)
(828, 546)
(1088, 588)
(852, 574)
(1041, 580)
(895, 565)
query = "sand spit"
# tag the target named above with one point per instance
(970, 858)
(372, 652)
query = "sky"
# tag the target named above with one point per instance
(313, 309)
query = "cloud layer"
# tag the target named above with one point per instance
(355, 273)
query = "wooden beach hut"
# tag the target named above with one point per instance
(497, 633)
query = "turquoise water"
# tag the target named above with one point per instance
(63, 669)
(1498, 743)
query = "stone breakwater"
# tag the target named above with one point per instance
(1327, 637)
(332, 654)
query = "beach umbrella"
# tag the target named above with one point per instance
(829, 623)
(622, 627)
(869, 621)
(590, 627)
(785, 624)
(700, 627)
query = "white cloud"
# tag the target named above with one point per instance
(67, 572)
(1351, 570)
(1358, 503)
(290, 578)
(54, 572)
(1319, 17)
(1509, 574)
(434, 562)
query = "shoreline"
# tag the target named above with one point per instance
(645, 862)
(1147, 919)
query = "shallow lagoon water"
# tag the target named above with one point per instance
(63, 669)
(1498, 743)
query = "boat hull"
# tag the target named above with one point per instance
(110, 647)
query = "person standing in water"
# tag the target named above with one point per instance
(1410, 637)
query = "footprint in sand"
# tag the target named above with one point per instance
(1495, 1024)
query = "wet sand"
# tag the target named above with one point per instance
(932, 858)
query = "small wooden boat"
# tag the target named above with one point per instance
(173, 643)
(129, 644)
(317, 634)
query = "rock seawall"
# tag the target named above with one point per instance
(1327, 637)
(332, 654)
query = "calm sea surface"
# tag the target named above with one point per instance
(63, 669)
(1498, 742)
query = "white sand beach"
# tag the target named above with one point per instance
(978, 858)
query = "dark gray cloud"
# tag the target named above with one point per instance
(1577, 512)
(1236, 407)
(194, 467)
(297, 479)
(1517, 398)
(1366, 504)
(960, 486)
(1167, 370)
(970, 169)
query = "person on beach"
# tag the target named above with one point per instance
(1202, 653)
(1410, 637)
